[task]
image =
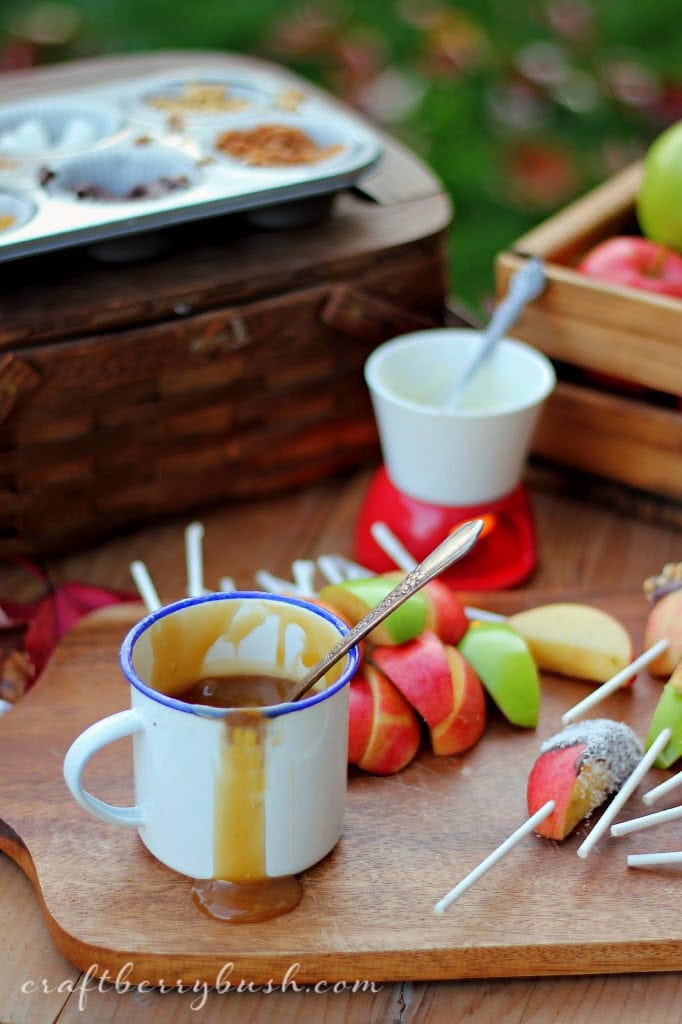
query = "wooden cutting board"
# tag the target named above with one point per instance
(367, 909)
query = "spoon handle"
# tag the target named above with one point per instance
(442, 557)
(525, 284)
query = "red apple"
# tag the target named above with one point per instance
(635, 263)
(445, 613)
(382, 722)
(465, 724)
(665, 621)
(421, 671)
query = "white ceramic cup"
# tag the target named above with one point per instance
(476, 453)
(226, 793)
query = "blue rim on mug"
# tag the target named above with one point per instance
(275, 710)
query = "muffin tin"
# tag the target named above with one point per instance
(112, 161)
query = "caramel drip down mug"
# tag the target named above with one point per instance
(233, 793)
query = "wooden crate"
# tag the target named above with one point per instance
(583, 325)
(229, 366)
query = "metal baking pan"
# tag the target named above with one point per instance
(107, 162)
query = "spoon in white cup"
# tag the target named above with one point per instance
(525, 284)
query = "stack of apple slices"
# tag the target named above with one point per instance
(424, 670)
(427, 669)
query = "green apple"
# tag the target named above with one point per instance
(659, 209)
(505, 666)
(354, 598)
(668, 714)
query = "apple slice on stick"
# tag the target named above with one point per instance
(383, 731)
(442, 688)
(668, 712)
(513, 840)
(624, 794)
(574, 639)
(505, 666)
(579, 768)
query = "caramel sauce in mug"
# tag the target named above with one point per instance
(241, 891)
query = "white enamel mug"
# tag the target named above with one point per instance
(223, 793)
(468, 456)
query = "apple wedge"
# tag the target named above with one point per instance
(383, 731)
(445, 613)
(668, 714)
(420, 669)
(665, 621)
(354, 598)
(503, 663)
(465, 724)
(579, 769)
(577, 640)
(442, 688)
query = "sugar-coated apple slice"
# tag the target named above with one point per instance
(354, 598)
(502, 661)
(384, 733)
(573, 639)
(579, 768)
(668, 714)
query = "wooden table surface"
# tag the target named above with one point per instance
(582, 545)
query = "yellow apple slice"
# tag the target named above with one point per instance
(574, 639)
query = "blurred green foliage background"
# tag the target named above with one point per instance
(517, 106)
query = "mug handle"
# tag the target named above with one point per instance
(115, 727)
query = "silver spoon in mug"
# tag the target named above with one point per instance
(455, 545)
(525, 284)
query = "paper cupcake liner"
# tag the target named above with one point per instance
(53, 128)
(123, 175)
(15, 211)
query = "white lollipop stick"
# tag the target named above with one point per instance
(391, 546)
(194, 535)
(274, 584)
(143, 582)
(337, 568)
(226, 584)
(624, 793)
(303, 572)
(645, 860)
(614, 683)
(652, 795)
(646, 821)
(527, 827)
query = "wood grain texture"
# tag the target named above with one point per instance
(367, 908)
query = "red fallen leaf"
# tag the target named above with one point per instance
(55, 612)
